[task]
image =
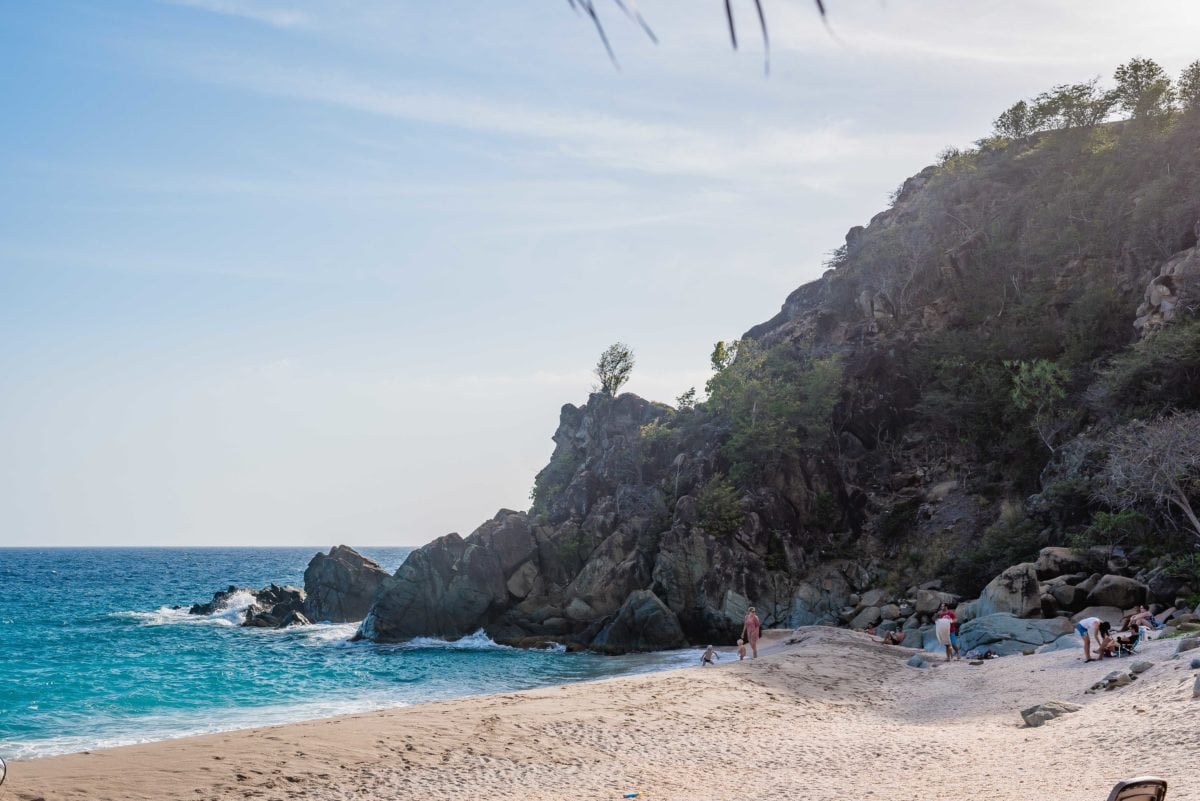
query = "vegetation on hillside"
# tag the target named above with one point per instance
(982, 329)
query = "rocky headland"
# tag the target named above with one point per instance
(954, 410)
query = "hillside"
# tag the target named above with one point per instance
(947, 399)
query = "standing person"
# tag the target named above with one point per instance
(741, 650)
(946, 626)
(751, 629)
(709, 656)
(1092, 629)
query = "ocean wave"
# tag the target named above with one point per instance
(472, 642)
(231, 613)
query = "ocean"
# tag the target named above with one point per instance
(93, 655)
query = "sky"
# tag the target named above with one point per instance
(324, 271)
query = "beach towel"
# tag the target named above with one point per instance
(942, 628)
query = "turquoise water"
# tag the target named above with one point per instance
(93, 655)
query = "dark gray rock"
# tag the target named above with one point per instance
(1069, 597)
(341, 585)
(1140, 667)
(1038, 715)
(1053, 562)
(643, 623)
(1188, 644)
(917, 661)
(220, 600)
(1118, 591)
(1118, 678)
(1016, 591)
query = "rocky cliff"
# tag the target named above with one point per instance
(930, 412)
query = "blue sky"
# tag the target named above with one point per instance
(318, 272)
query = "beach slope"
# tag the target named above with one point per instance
(824, 713)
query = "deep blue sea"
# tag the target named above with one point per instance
(93, 655)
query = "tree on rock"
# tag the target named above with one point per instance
(1155, 463)
(614, 367)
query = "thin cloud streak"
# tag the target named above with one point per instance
(274, 17)
(604, 139)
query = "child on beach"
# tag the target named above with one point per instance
(741, 650)
(710, 654)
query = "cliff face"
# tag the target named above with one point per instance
(1025, 267)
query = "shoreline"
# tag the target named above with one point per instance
(831, 711)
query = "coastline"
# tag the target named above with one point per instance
(830, 713)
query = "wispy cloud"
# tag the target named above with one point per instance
(258, 12)
(713, 149)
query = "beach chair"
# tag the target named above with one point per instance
(1143, 788)
(1131, 648)
(3, 770)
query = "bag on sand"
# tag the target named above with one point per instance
(942, 628)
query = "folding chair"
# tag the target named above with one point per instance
(3, 770)
(1143, 788)
(1131, 648)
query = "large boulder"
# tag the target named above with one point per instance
(643, 623)
(1118, 591)
(1007, 634)
(453, 586)
(1069, 597)
(1055, 561)
(341, 585)
(1016, 592)
(929, 601)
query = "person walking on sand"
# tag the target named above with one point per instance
(1092, 629)
(741, 650)
(751, 629)
(946, 628)
(709, 656)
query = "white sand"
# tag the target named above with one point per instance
(834, 716)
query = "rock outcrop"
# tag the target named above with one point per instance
(271, 607)
(643, 623)
(1006, 634)
(340, 586)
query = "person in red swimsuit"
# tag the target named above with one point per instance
(751, 629)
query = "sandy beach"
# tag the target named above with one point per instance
(823, 713)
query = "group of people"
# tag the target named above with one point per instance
(945, 626)
(1099, 633)
(751, 632)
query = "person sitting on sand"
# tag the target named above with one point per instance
(741, 650)
(709, 656)
(1140, 617)
(751, 629)
(893, 637)
(1092, 629)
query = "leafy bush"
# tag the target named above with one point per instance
(1157, 373)
(775, 404)
(718, 511)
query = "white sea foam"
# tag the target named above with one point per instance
(472, 642)
(230, 613)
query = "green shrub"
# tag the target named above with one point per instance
(718, 509)
(1160, 372)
